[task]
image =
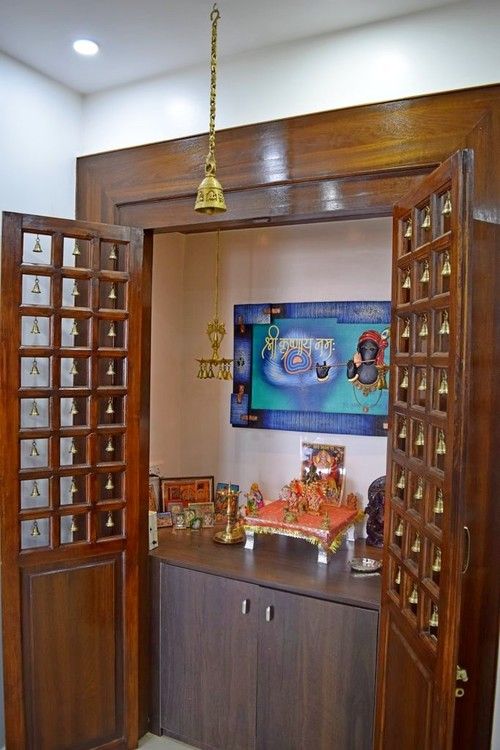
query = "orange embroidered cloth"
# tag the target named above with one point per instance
(313, 528)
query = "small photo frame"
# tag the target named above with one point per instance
(322, 461)
(205, 511)
(175, 508)
(164, 520)
(221, 500)
(208, 520)
(189, 516)
(180, 521)
(185, 490)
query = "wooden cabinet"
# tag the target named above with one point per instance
(242, 666)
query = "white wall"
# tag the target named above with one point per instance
(447, 48)
(40, 129)
(332, 261)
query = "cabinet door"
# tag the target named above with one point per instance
(316, 682)
(208, 659)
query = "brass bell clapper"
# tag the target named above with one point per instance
(233, 533)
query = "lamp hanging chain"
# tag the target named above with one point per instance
(217, 252)
(210, 166)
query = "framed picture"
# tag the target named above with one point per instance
(153, 500)
(221, 500)
(185, 490)
(175, 508)
(164, 520)
(204, 511)
(322, 461)
(180, 521)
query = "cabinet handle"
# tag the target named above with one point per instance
(245, 606)
(269, 613)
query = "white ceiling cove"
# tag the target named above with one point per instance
(143, 38)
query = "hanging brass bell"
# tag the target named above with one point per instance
(404, 382)
(111, 368)
(402, 432)
(402, 481)
(406, 329)
(425, 273)
(36, 287)
(35, 491)
(446, 210)
(113, 254)
(109, 446)
(109, 522)
(424, 330)
(35, 531)
(73, 409)
(37, 247)
(112, 331)
(420, 439)
(34, 410)
(434, 618)
(415, 547)
(210, 198)
(34, 449)
(413, 598)
(72, 448)
(407, 281)
(112, 292)
(109, 483)
(75, 292)
(73, 488)
(35, 328)
(109, 407)
(422, 386)
(436, 565)
(426, 223)
(446, 269)
(397, 580)
(74, 329)
(445, 326)
(399, 529)
(443, 385)
(76, 249)
(34, 368)
(441, 444)
(419, 492)
(439, 504)
(408, 230)
(74, 526)
(73, 369)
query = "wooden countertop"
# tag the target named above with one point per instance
(276, 562)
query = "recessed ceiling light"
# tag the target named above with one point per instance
(85, 47)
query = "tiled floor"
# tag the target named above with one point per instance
(151, 742)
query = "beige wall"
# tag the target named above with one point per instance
(190, 430)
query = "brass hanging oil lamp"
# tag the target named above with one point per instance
(210, 198)
(215, 366)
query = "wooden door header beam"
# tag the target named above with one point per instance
(344, 163)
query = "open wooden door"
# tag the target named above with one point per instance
(73, 353)
(426, 546)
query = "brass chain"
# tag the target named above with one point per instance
(210, 161)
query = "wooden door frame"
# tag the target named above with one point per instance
(343, 164)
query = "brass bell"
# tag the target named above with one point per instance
(420, 439)
(399, 529)
(73, 369)
(35, 491)
(413, 598)
(111, 368)
(439, 504)
(443, 385)
(109, 483)
(75, 292)
(34, 368)
(74, 526)
(425, 273)
(445, 326)
(436, 565)
(112, 292)
(109, 445)
(446, 210)
(446, 269)
(397, 580)
(73, 488)
(35, 328)
(426, 223)
(36, 287)
(402, 432)
(419, 492)
(109, 522)
(73, 409)
(34, 449)
(109, 407)
(408, 230)
(112, 331)
(210, 198)
(434, 618)
(37, 247)
(441, 444)
(402, 481)
(34, 410)
(76, 249)
(113, 254)
(406, 329)
(422, 386)
(72, 448)
(415, 547)
(404, 382)
(74, 329)
(407, 281)
(424, 330)
(35, 531)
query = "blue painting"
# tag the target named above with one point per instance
(312, 367)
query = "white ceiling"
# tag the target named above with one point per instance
(142, 38)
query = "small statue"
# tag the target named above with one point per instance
(255, 500)
(367, 369)
(375, 512)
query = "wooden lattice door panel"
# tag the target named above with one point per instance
(71, 336)
(424, 504)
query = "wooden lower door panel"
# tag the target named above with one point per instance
(72, 643)
(208, 659)
(316, 687)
